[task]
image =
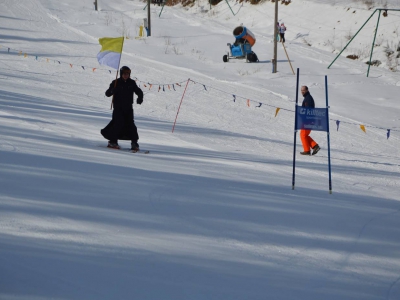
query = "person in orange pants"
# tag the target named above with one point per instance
(306, 139)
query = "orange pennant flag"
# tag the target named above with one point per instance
(159, 87)
(276, 112)
(150, 86)
(169, 87)
(363, 128)
(70, 65)
(248, 102)
(94, 69)
(144, 85)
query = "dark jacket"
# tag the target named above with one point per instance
(123, 93)
(308, 101)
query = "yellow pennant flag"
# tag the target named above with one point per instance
(276, 112)
(363, 128)
(25, 55)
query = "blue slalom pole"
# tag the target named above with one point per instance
(328, 134)
(295, 131)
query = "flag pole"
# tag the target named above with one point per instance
(116, 76)
(173, 127)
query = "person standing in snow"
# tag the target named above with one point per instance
(282, 30)
(306, 140)
(122, 125)
(278, 27)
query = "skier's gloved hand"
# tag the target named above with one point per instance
(139, 100)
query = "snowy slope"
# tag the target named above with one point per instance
(210, 213)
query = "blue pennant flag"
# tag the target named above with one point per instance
(234, 98)
(388, 133)
(259, 105)
(337, 124)
(83, 67)
(205, 87)
(173, 86)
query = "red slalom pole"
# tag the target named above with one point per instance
(180, 105)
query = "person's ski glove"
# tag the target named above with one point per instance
(139, 100)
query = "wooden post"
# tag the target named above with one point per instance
(284, 48)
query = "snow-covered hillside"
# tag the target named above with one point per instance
(210, 213)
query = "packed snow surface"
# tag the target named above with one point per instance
(210, 213)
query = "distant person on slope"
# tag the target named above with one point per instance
(278, 31)
(282, 30)
(306, 140)
(122, 125)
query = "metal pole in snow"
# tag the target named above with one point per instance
(148, 18)
(373, 43)
(295, 131)
(275, 62)
(328, 134)
(229, 7)
(351, 39)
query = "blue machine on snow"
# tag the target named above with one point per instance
(241, 48)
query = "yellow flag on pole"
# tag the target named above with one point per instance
(111, 50)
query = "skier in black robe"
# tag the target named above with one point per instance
(122, 125)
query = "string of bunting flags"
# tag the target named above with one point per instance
(170, 86)
(277, 109)
(42, 58)
(207, 88)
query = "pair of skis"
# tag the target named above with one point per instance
(129, 150)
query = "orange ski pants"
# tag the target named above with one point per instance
(307, 140)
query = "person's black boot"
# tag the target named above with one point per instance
(305, 153)
(135, 146)
(315, 149)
